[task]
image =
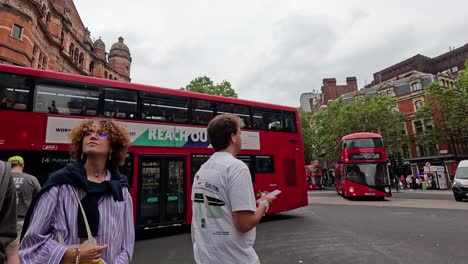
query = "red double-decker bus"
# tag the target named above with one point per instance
(315, 177)
(168, 132)
(361, 169)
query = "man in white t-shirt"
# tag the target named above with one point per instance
(223, 203)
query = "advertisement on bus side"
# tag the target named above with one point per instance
(150, 134)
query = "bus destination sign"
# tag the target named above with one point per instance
(365, 156)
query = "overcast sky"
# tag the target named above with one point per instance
(273, 51)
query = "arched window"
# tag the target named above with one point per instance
(105, 74)
(110, 76)
(48, 17)
(77, 53)
(80, 60)
(71, 50)
(115, 78)
(62, 37)
(418, 104)
(91, 67)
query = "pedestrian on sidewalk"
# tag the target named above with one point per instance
(224, 207)
(403, 182)
(27, 186)
(397, 183)
(99, 147)
(7, 209)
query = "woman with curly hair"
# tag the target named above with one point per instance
(99, 147)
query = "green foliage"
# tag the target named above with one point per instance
(448, 107)
(204, 84)
(363, 114)
(462, 79)
(306, 119)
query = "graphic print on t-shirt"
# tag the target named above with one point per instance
(212, 205)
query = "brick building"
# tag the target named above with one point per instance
(331, 91)
(452, 61)
(49, 35)
(408, 89)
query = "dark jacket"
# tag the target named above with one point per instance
(7, 209)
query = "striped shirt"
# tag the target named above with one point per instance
(56, 211)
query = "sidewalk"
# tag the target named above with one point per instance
(447, 191)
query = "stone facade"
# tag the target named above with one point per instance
(49, 35)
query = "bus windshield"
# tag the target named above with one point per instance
(369, 174)
(317, 180)
(362, 143)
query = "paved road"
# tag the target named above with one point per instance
(408, 228)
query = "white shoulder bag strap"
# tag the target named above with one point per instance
(88, 230)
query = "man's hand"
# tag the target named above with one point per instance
(267, 198)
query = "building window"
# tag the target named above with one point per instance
(80, 61)
(105, 74)
(76, 54)
(421, 151)
(71, 50)
(62, 37)
(406, 153)
(403, 129)
(390, 93)
(418, 127)
(416, 86)
(91, 67)
(454, 69)
(418, 104)
(16, 31)
(429, 124)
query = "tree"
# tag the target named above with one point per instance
(448, 107)
(204, 84)
(306, 120)
(363, 114)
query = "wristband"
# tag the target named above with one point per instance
(265, 203)
(77, 255)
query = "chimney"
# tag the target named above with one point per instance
(329, 81)
(351, 82)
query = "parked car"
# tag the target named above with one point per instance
(460, 182)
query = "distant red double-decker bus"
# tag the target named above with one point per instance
(315, 177)
(168, 132)
(361, 169)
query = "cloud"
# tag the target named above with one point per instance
(272, 51)
(301, 44)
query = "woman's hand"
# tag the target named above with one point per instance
(90, 252)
